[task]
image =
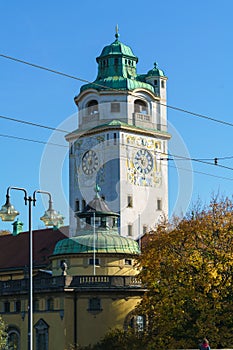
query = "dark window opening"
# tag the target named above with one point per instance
(115, 138)
(97, 261)
(94, 304)
(159, 204)
(130, 201)
(18, 306)
(92, 107)
(140, 107)
(83, 204)
(128, 262)
(7, 306)
(77, 205)
(36, 305)
(50, 304)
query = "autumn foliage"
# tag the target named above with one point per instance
(187, 267)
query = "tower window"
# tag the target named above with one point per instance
(162, 84)
(77, 205)
(115, 138)
(107, 139)
(159, 204)
(155, 82)
(130, 230)
(115, 107)
(130, 201)
(92, 107)
(83, 204)
(116, 61)
(140, 107)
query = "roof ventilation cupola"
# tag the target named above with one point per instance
(156, 72)
(17, 227)
(116, 60)
(98, 233)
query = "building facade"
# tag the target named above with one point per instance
(85, 281)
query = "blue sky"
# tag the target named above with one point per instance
(192, 43)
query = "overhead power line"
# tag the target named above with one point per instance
(32, 124)
(170, 166)
(32, 140)
(199, 115)
(174, 157)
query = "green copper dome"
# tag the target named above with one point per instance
(117, 48)
(156, 72)
(104, 243)
(117, 70)
(99, 232)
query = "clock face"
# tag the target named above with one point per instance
(143, 161)
(89, 162)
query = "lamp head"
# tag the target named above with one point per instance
(8, 212)
(51, 217)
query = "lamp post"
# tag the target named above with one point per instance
(50, 218)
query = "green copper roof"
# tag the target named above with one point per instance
(117, 83)
(104, 243)
(156, 72)
(117, 48)
(104, 238)
(117, 70)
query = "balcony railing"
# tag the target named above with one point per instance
(60, 282)
(140, 117)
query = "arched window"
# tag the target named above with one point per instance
(140, 107)
(92, 107)
(13, 340)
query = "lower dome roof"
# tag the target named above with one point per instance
(104, 243)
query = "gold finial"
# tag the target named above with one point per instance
(117, 32)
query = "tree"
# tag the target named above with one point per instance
(187, 268)
(118, 339)
(3, 335)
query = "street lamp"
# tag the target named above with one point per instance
(50, 218)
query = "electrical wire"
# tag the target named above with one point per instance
(199, 115)
(32, 140)
(33, 124)
(86, 81)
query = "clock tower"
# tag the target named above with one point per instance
(121, 142)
